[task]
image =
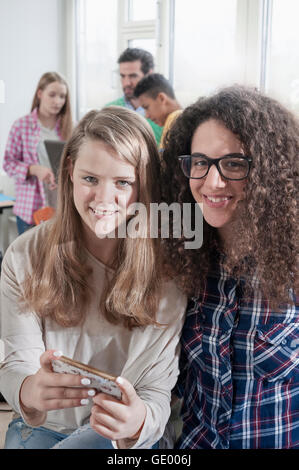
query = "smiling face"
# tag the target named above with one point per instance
(52, 98)
(104, 186)
(219, 196)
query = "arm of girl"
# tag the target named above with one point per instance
(43, 174)
(13, 161)
(116, 419)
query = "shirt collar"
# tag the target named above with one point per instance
(138, 110)
(35, 124)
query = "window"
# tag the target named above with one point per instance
(104, 30)
(96, 53)
(141, 11)
(146, 24)
(282, 74)
(206, 47)
(199, 45)
(137, 25)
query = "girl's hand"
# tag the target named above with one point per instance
(44, 174)
(116, 419)
(47, 390)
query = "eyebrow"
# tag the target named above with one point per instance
(129, 74)
(90, 173)
(235, 154)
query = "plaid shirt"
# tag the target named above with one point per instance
(20, 153)
(239, 371)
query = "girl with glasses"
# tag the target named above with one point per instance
(72, 285)
(236, 154)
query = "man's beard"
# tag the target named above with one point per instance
(129, 93)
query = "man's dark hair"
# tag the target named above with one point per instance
(152, 85)
(132, 53)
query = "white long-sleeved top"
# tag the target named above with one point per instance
(147, 356)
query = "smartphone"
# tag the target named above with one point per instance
(99, 380)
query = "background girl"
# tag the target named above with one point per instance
(25, 157)
(237, 153)
(103, 301)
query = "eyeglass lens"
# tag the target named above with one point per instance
(231, 168)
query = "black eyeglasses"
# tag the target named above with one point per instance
(234, 166)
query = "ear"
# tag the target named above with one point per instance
(162, 97)
(39, 93)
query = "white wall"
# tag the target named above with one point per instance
(31, 42)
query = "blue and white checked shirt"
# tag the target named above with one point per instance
(239, 371)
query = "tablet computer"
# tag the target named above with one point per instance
(54, 150)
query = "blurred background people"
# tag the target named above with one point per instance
(134, 64)
(26, 159)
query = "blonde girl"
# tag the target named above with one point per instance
(99, 299)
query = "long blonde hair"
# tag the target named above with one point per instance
(65, 113)
(58, 285)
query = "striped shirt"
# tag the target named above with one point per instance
(239, 370)
(20, 153)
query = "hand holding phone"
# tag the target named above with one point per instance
(45, 391)
(99, 380)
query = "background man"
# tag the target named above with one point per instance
(155, 94)
(134, 64)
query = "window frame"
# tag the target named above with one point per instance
(151, 29)
(253, 37)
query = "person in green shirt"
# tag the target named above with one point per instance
(134, 64)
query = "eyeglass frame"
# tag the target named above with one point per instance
(215, 161)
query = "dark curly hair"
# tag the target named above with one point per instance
(265, 235)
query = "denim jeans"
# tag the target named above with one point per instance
(84, 438)
(21, 436)
(22, 226)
